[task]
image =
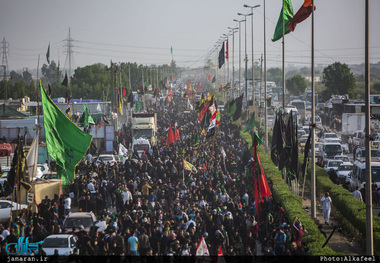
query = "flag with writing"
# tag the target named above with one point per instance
(66, 143)
(285, 16)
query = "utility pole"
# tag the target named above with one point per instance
(69, 52)
(5, 52)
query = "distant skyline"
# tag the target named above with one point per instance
(145, 31)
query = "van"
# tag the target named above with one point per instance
(329, 150)
(140, 145)
(358, 176)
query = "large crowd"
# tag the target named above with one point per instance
(152, 206)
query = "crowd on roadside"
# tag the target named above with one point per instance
(152, 206)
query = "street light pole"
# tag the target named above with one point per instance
(239, 50)
(253, 63)
(233, 61)
(245, 55)
(265, 86)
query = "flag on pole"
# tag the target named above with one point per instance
(120, 108)
(170, 137)
(217, 120)
(65, 142)
(221, 56)
(188, 166)
(227, 49)
(32, 157)
(220, 256)
(48, 54)
(213, 79)
(251, 123)
(176, 133)
(286, 15)
(303, 13)
(65, 81)
(122, 150)
(196, 141)
(238, 108)
(86, 118)
(98, 108)
(211, 128)
(208, 77)
(223, 153)
(202, 249)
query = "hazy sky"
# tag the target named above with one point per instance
(144, 31)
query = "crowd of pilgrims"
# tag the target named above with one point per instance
(153, 207)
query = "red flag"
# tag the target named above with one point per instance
(303, 13)
(172, 77)
(227, 49)
(176, 133)
(170, 93)
(209, 77)
(203, 111)
(124, 92)
(199, 87)
(221, 88)
(170, 137)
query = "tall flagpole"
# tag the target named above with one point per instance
(312, 177)
(265, 85)
(368, 170)
(283, 57)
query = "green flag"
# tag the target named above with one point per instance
(86, 118)
(66, 143)
(251, 123)
(232, 108)
(255, 135)
(286, 15)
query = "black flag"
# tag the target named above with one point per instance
(213, 80)
(65, 81)
(49, 90)
(239, 106)
(306, 153)
(48, 54)
(221, 56)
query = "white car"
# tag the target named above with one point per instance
(5, 209)
(328, 135)
(332, 165)
(343, 170)
(344, 158)
(106, 159)
(64, 243)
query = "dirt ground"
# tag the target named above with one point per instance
(341, 241)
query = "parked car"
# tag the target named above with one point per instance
(78, 219)
(5, 209)
(63, 242)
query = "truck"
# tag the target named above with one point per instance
(352, 122)
(144, 125)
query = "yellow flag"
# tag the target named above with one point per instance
(120, 109)
(188, 166)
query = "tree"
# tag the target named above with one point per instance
(275, 74)
(339, 80)
(296, 85)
